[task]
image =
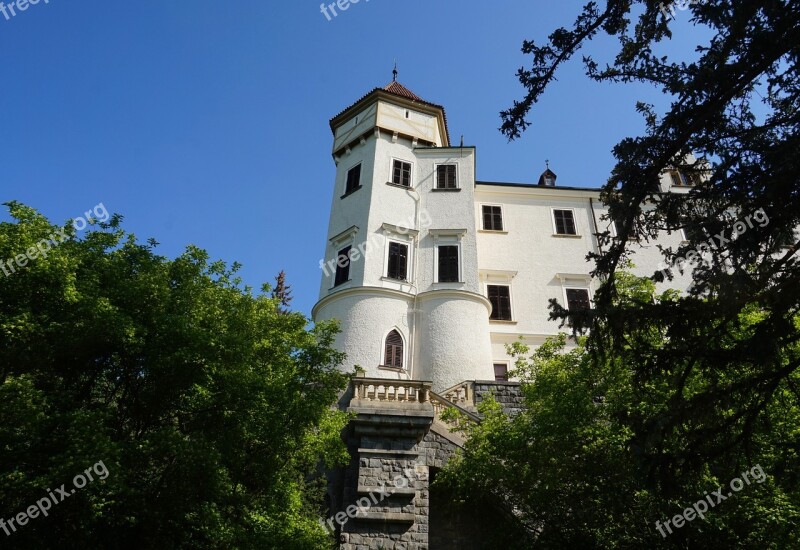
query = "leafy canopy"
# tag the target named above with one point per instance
(208, 404)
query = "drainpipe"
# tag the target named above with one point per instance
(413, 336)
(594, 223)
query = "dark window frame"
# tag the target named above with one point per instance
(343, 272)
(397, 263)
(563, 224)
(504, 369)
(393, 350)
(400, 175)
(448, 263)
(443, 171)
(351, 186)
(494, 217)
(685, 179)
(578, 304)
(501, 302)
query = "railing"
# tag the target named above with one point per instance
(382, 390)
(462, 394)
(441, 403)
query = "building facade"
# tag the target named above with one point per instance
(431, 271)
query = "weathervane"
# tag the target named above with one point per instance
(394, 72)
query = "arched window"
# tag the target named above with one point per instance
(394, 350)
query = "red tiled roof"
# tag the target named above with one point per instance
(395, 88)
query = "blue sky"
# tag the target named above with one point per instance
(206, 122)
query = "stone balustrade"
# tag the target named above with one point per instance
(462, 394)
(381, 390)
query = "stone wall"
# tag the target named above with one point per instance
(508, 394)
(383, 498)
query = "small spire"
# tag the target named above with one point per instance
(394, 72)
(547, 163)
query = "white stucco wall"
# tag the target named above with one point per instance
(367, 316)
(546, 264)
(454, 340)
(448, 336)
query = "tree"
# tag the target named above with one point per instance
(736, 107)
(210, 409)
(569, 468)
(282, 292)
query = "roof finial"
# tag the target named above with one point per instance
(547, 163)
(394, 72)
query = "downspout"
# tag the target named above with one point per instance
(596, 229)
(413, 328)
(594, 223)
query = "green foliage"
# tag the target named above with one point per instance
(725, 351)
(573, 469)
(210, 405)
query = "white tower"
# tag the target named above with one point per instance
(401, 267)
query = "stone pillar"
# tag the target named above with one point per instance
(385, 493)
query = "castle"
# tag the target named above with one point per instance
(431, 273)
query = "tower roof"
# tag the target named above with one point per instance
(396, 89)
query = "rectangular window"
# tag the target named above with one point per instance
(492, 218)
(448, 264)
(500, 297)
(565, 222)
(446, 176)
(398, 261)
(501, 372)
(578, 299)
(353, 179)
(342, 266)
(683, 179)
(401, 173)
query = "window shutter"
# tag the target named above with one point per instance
(565, 222)
(578, 299)
(342, 273)
(402, 261)
(393, 356)
(398, 261)
(500, 297)
(448, 264)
